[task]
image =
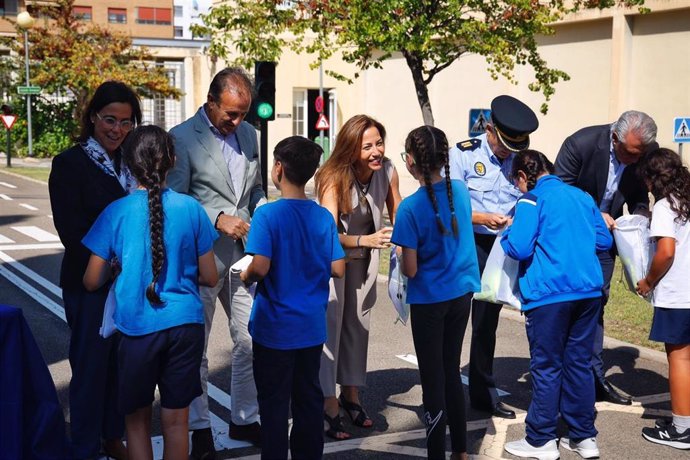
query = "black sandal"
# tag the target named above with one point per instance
(336, 430)
(354, 408)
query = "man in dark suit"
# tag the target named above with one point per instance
(217, 162)
(601, 160)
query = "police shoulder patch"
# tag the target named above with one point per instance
(469, 144)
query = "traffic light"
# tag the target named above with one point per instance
(265, 83)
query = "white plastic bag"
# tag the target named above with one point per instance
(108, 324)
(397, 287)
(634, 246)
(500, 278)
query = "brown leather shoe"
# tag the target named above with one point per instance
(202, 445)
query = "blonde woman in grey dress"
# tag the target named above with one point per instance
(354, 185)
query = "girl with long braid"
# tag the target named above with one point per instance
(434, 229)
(163, 241)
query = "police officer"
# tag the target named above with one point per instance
(484, 164)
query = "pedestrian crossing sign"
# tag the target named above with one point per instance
(478, 120)
(681, 130)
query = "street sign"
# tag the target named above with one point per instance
(318, 104)
(8, 120)
(478, 120)
(322, 123)
(681, 130)
(29, 89)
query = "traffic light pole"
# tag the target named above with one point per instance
(9, 146)
(264, 155)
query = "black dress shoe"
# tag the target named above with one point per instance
(607, 392)
(250, 433)
(502, 411)
(202, 445)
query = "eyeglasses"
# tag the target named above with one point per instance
(405, 155)
(111, 122)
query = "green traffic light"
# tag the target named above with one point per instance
(264, 110)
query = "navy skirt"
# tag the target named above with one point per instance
(671, 325)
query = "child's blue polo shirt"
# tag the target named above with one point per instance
(122, 230)
(301, 239)
(447, 265)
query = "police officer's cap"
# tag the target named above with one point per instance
(513, 122)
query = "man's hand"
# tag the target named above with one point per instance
(643, 287)
(232, 226)
(610, 221)
(494, 221)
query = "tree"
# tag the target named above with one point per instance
(430, 34)
(70, 57)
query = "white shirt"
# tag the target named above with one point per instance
(616, 169)
(673, 290)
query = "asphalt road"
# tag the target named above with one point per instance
(30, 255)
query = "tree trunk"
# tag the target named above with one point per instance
(416, 67)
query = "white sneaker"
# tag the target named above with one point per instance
(587, 448)
(522, 448)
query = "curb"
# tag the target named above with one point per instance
(4, 170)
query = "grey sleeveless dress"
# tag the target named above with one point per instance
(344, 358)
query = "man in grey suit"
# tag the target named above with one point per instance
(218, 164)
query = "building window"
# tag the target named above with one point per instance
(117, 15)
(8, 7)
(157, 16)
(178, 11)
(83, 13)
(179, 32)
(299, 113)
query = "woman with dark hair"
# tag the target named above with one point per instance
(354, 184)
(556, 234)
(84, 179)
(159, 311)
(668, 179)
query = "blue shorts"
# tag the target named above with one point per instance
(671, 325)
(170, 359)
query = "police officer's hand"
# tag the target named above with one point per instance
(232, 226)
(608, 220)
(495, 221)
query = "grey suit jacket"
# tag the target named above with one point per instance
(201, 172)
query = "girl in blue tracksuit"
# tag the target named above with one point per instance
(434, 228)
(556, 233)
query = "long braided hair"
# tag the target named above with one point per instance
(533, 163)
(429, 148)
(149, 155)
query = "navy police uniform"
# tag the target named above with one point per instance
(491, 191)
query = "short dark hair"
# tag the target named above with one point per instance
(533, 163)
(233, 79)
(299, 157)
(108, 93)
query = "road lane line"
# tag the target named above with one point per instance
(32, 275)
(28, 206)
(37, 234)
(5, 240)
(5, 197)
(412, 359)
(38, 296)
(26, 247)
(5, 184)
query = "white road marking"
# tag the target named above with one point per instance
(5, 240)
(32, 275)
(412, 359)
(37, 233)
(38, 296)
(5, 184)
(219, 395)
(50, 216)
(29, 207)
(5, 197)
(26, 247)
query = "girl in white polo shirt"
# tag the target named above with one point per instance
(669, 181)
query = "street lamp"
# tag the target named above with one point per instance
(25, 21)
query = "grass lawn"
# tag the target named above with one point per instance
(34, 173)
(627, 317)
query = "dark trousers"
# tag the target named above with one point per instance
(607, 260)
(560, 345)
(437, 331)
(482, 386)
(289, 379)
(93, 389)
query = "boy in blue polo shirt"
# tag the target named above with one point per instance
(296, 251)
